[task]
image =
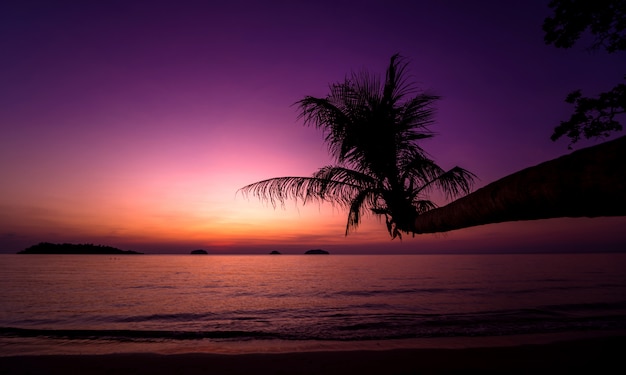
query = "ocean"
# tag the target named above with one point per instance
(96, 304)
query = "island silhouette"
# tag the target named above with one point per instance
(67, 248)
(317, 251)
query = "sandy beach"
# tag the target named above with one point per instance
(594, 355)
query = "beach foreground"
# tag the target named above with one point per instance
(595, 355)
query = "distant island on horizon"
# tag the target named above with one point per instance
(68, 248)
(317, 251)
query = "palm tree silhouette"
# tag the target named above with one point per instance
(371, 129)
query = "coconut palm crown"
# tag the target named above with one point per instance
(372, 129)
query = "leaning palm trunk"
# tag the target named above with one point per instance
(587, 183)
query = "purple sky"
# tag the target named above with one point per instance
(133, 123)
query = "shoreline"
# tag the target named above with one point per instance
(593, 354)
(15, 346)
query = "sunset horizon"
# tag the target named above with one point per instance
(135, 127)
(530, 237)
(312, 187)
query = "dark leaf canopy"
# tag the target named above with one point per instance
(593, 117)
(605, 20)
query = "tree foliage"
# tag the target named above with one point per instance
(606, 21)
(593, 117)
(372, 128)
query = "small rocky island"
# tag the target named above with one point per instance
(68, 248)
(317, 251)
(275, 252)
(199, 252)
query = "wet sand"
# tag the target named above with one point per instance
(593, 355)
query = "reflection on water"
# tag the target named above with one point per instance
(208, 299)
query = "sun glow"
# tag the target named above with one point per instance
(141, 137)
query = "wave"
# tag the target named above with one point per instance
(123, 335)
(344, 325)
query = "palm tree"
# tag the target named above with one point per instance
(371, 129)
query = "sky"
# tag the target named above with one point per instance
(134, 123)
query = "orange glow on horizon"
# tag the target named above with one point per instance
(140, 142)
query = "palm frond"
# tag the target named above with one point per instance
(419, 170)
(328, 116)
(330, 184)
(453, 183)
(359, 202)
(280, 189)
(417, 114)
(349, 177)
(397, 85)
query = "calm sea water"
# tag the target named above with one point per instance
(94, 304)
